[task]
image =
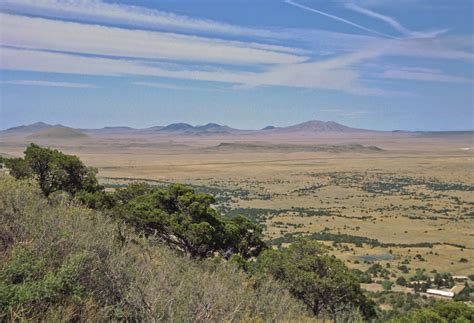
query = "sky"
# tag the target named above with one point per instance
(375, 64)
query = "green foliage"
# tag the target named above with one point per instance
(185, 220)
(98, 200)
(440, 311)
(443, 280)
(420, 316)
(54, 170)
(322, 282)
(124, 195)
(467, 294)
(362, 276)
(401, 281)
(176, 215)
(387, 284)
(26, 280)
(19, 168)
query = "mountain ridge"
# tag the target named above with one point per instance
(312, 126)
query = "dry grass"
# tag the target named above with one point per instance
(276, 180)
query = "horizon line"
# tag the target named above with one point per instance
(223, 125)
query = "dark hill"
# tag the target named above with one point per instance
(31, 128)
(177, 127)
(269, 128)
(58, 133)
(319, 126)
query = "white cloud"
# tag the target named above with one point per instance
(50, 84)
(306, 75)
(160, 85)
(431, 48)
(40, 61)
(428, 75)
(45, 34)
(134, 16)
(45, 45)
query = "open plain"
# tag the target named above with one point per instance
(386, 197)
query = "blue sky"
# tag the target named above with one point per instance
(379, 64)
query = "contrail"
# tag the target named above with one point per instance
(394, 23)
(389, 20)
(290, 2)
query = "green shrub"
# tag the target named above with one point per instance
(320, 281)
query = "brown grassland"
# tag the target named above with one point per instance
(417, 189)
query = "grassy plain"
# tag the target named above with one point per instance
(414, 197)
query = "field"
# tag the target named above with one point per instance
(389, 198)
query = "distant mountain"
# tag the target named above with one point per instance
(269, 128)
(117, 128)
(185, 128)
(154, 128)
(110, 130)
(309, 127)
(209, 126)
(31, 128)
(214, 127)
(177, 127)
(318, 126)
(58, 133)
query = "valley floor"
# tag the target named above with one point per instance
(411, 202)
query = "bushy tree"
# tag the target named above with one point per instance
(54, 170)
(185, 220)
(439, 311)
(126, 194)
(322, 282)
(420, 316)
(387, 284)
(401, 281)
(18, 167)
(362, 276)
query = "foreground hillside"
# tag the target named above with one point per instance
(64, 262)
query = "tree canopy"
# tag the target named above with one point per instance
(321, 281)
(54, 170)
(185, 220)
(439, 311)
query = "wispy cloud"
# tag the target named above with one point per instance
(429, 75)
(307, 75)
(394, 23)
(50, 84)
(46, 34)
(132, 16)
(167, 86)
(57, 46)
(334, 17)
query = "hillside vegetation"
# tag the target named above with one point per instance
(70, 251)
(62, 262)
